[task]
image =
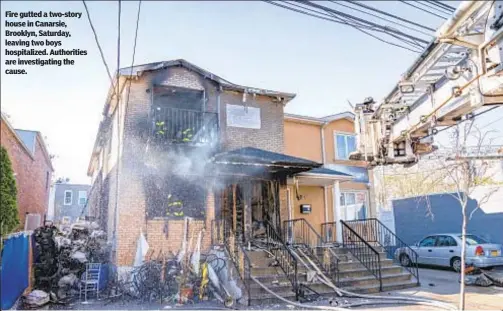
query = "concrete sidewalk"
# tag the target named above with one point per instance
(443, 285)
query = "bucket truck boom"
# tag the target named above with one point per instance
(459, 72)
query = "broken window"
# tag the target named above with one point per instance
(175, 197)
(179, 116)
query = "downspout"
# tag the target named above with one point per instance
(322, 131)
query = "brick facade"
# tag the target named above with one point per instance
(33, 172)
(132, 216)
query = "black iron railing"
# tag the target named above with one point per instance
(239, 257)
(282, 254)
(301, 232)
(374, 231)
(362, 251)
(329, 232)
(182, 126)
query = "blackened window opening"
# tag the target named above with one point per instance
(175, 197)
(179, 116)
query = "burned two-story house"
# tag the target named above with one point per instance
(181, 151)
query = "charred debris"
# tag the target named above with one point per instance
(61, 255)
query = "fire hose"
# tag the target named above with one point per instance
(383, 299)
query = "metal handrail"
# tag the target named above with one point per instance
(308, 235)
(362, 251)
(174, 125)
(282, 254)
(328, 231)
(375, 231)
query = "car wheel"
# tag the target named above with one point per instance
(405, 260)
(456, 264)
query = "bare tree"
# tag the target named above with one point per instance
(466, 169)
(459, 169)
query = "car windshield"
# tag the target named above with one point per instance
(473, 240)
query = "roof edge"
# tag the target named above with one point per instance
(339, 116)
(16, 136)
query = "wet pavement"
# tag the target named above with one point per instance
(438, 284)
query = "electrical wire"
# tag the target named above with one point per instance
(390, 15)
(99, 45)
(433, 7)
(132, 60)
(340, 21)
(476, 115)
(491, 123)
(383, 18)
(424, 10)
(117, 96)
(357, 23)
(441, 4)
(385, 28)
(414, 45)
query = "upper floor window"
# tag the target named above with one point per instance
(68, 197)
(82, 197)
(344, 145)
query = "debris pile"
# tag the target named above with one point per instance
(60, 258)
(183, 278)
(484, 278)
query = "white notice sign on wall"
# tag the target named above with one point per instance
(245, 117)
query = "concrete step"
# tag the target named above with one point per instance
(350, 265)
(372, 280)
(371, 289)
(362, 271)
(257, 255)
(261, 296)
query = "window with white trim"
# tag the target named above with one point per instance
(68, 197)
(82, 198)
(344, 145)
(352, 199)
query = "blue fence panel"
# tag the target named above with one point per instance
(14, 273)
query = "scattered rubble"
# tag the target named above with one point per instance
(60, 257)
(484, 278)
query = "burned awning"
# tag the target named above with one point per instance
(253, 161)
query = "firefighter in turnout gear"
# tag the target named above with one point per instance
(175, 207)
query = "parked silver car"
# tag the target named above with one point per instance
(445, 250)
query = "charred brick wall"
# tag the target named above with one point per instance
(131, 217)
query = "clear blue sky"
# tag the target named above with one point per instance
(251, 43)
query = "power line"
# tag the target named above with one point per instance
(98, 44)
(424, 10)
(340, 21)
(383, 18)
(132, 61)
(441, 4)
(390, 15)
(117, 107)
(385, 28)
(440, 10)
(476, 115)
(331, 19)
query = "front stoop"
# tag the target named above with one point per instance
(353, 276)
